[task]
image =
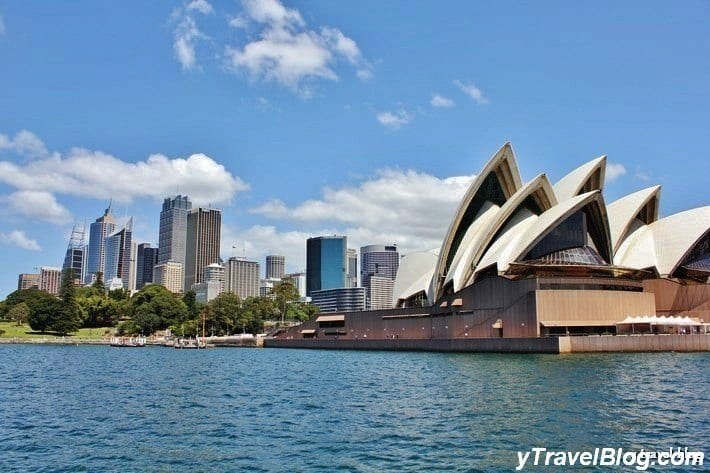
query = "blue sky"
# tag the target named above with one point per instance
(309, 117)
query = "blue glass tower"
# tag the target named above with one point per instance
(99, 230)
(326, 263)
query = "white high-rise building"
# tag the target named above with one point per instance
(243, 277)
(170, 275)
(299, 281)
(380, 261)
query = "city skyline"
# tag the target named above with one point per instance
(294, 150)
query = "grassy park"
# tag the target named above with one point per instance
(12, 330)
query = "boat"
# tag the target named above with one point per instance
(132, 342)
(189, 343)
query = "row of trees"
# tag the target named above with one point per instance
(150, 309)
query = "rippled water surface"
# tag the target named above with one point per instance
(86, 408)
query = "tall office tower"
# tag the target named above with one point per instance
(275, 266)
(27, 281)
(325, 263)
(98, 231)
(243, 277)
(169, 275)
(204, 228)
(381, 261)
(173, 229)
(119, 257)
(76, 252)
(50, 279)
(352, 267)
(299, 281)
(146, 259)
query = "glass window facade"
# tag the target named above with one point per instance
(326, 263)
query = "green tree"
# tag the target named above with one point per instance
(155, 308)
(100, 311)
(68, 318)
(300, 311)
(255, 311)
(119, 294)
(99, 282)
(19, 313)
(224, 313)
(44, 313)
(284, 293)
(193, 307)
(31, 297)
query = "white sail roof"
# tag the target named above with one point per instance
(590, 174)
(664, 243)
(623, 211)
(504, 169)
(414, 274)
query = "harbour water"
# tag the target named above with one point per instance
(96, 408)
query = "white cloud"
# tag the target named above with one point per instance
(24, 143)
(441, 102)
(187, 34)
(614, 171)
(394, 120)
(99, 175)
(409, 208)
(258, 241)
(641, 175)
(288, 53)
(19, 239)
(37, 205)
(472, 91)
(201, 6)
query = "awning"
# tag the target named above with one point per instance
(457, 302)
(663, 320)
(576, 323)
(330, 318)
(498, 324)
(444, 304)
(308, 331)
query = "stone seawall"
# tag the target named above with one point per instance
(636, 343)
(482, 345)
(581, 344)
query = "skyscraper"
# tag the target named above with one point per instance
(325, 263)
(352, 267)
(173, 229)
(50, 279)
(99, 230)
(146, 260)
(75, 255)
(381, 261)
(27, 281)
(243, 277)
(204, 228)
(275, 266)
(169, 275)
(119, 257)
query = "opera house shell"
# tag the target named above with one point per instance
(537, 259)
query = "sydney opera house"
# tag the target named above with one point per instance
(525, 261)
